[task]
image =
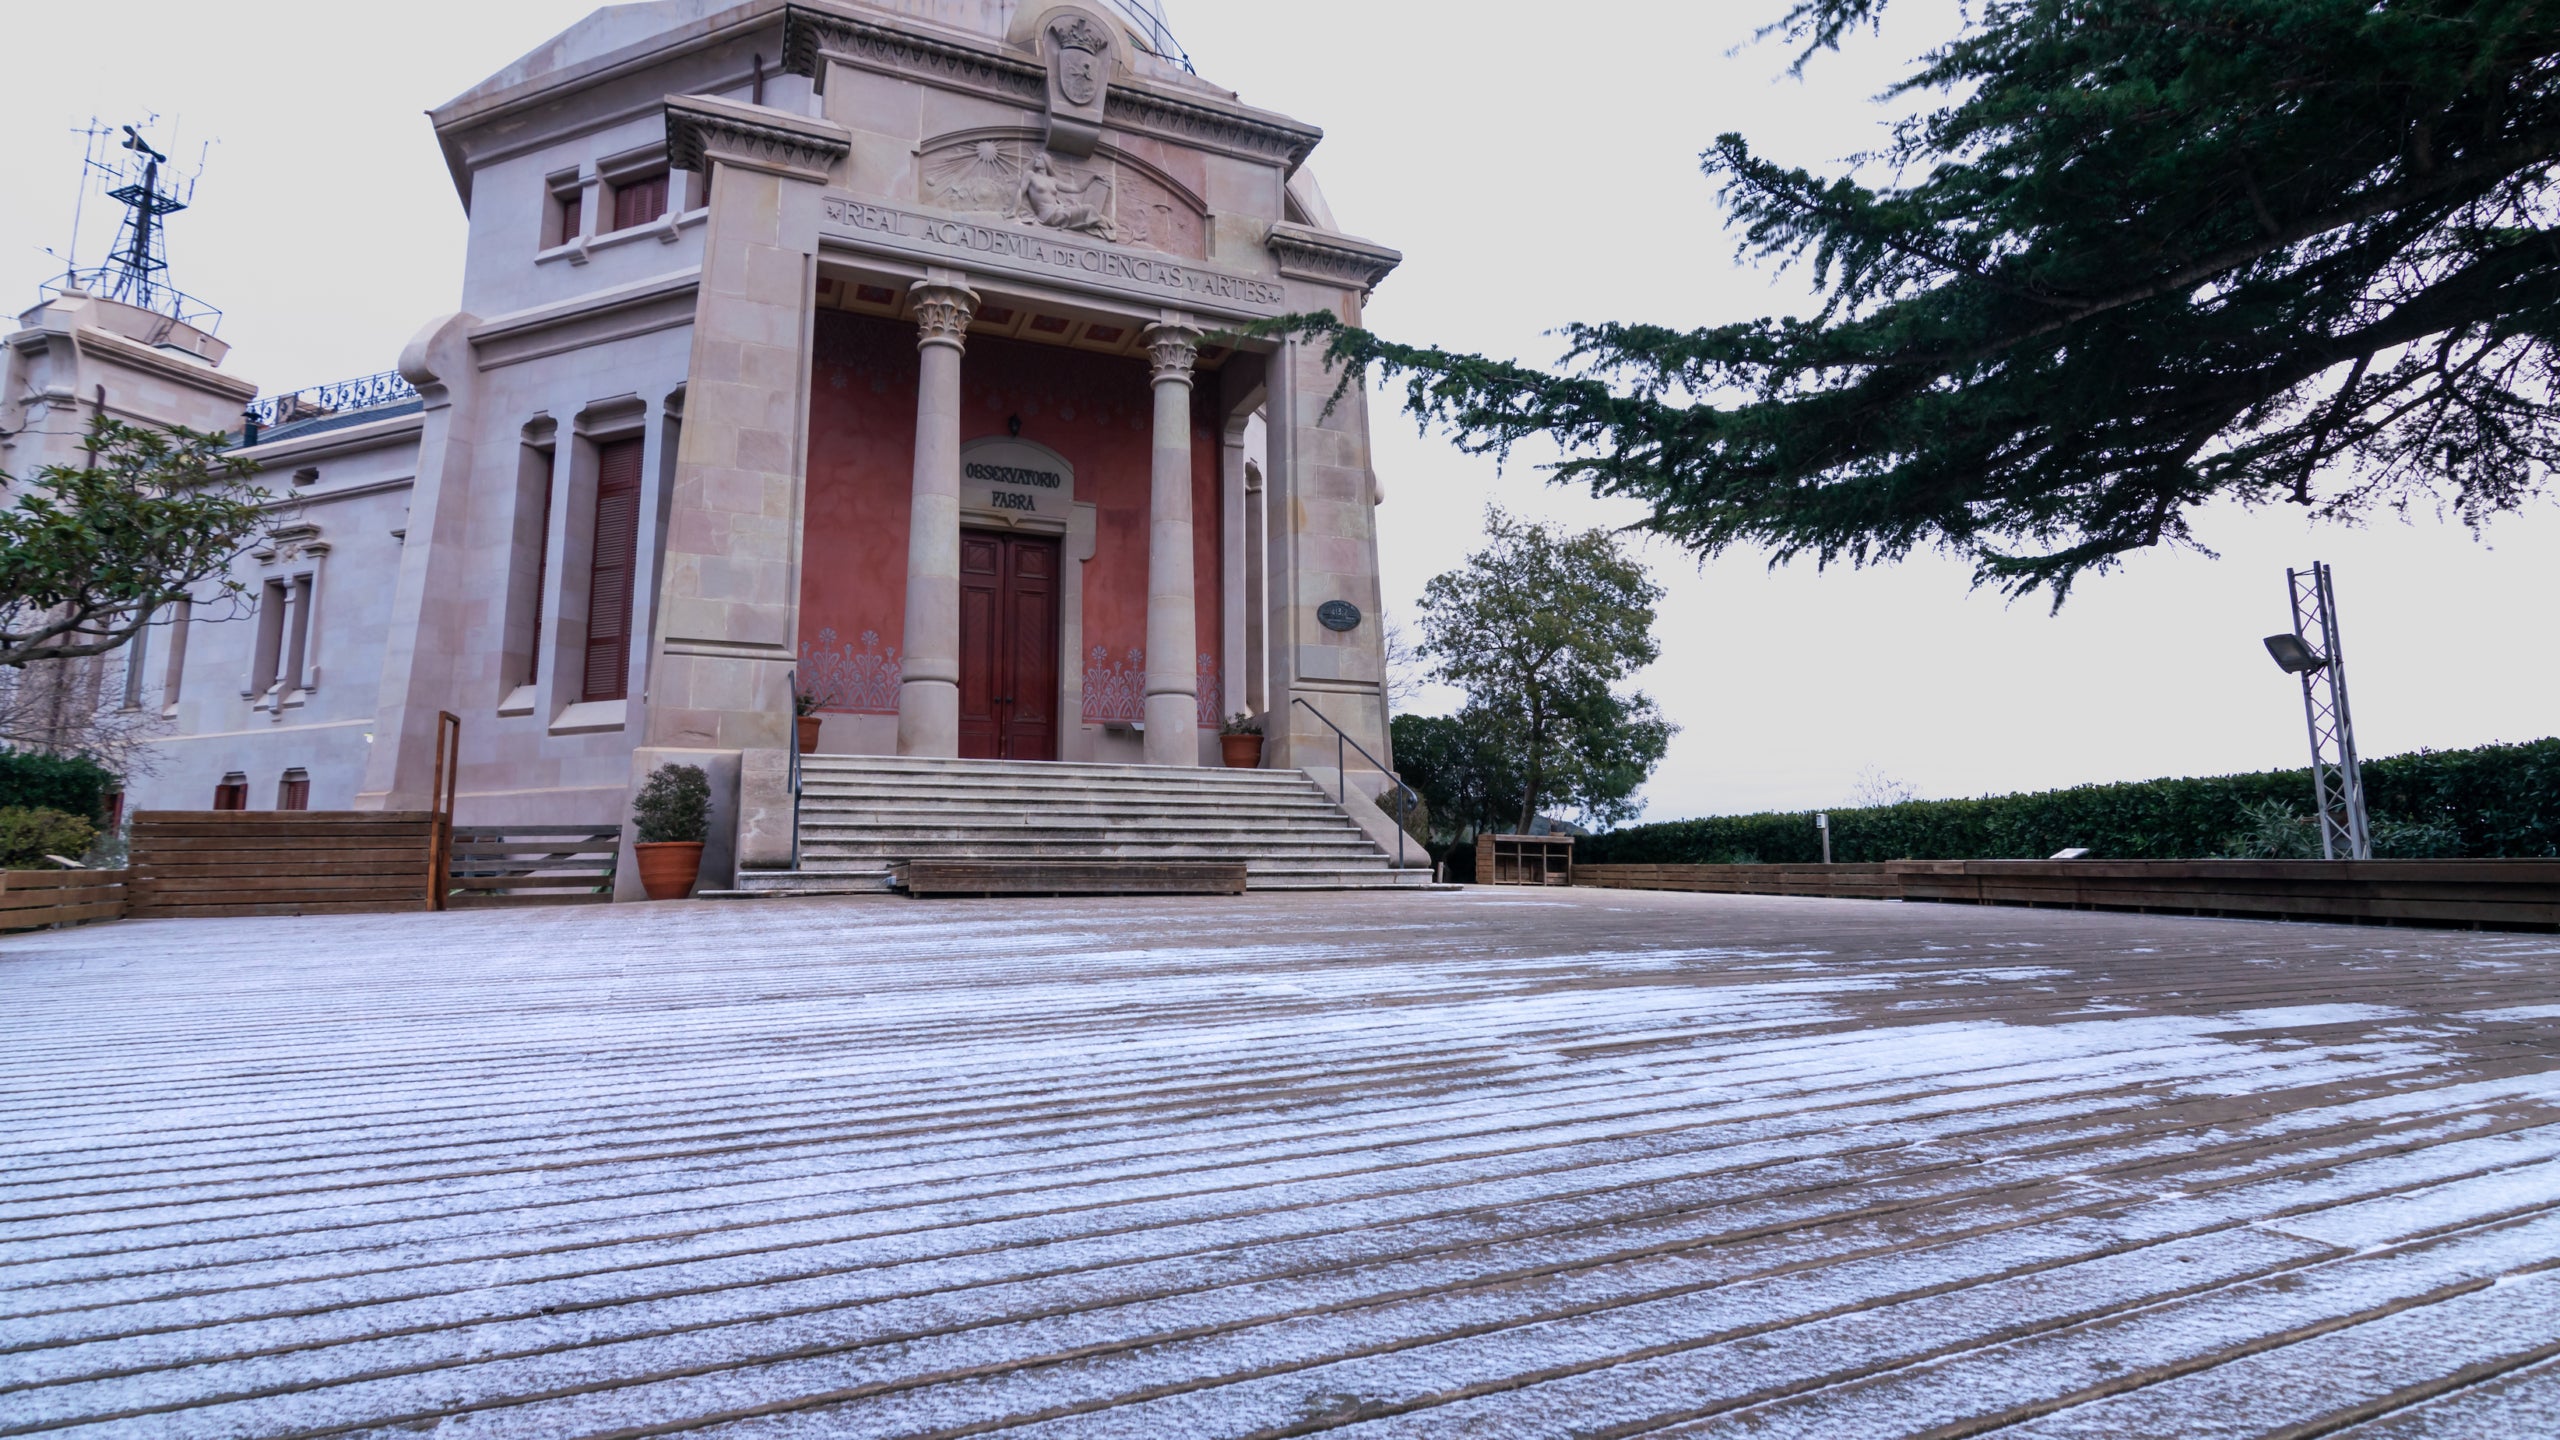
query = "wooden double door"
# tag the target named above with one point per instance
(1009, 598)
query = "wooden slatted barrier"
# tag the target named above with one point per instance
(40, 899)
(2507, 894)
(493, 865)
(1846, 882)
(283, 862)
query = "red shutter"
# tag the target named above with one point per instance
(570, 206)
(640, 201)
(617, 549)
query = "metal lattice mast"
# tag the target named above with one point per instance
(2337, 782)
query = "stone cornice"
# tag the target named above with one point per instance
(110, 346)
(811, 35)
(1249, 134)
(1305, 253)
(350, 440)
(703, 128)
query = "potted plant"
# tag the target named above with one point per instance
(805, 705)
(673, 816)
(1240, 742)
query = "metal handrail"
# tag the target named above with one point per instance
(791, 746)
(365, 392)
(1342, 775)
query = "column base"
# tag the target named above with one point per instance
(929, 719)
(1173, 725)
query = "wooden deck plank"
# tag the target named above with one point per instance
(1498, 1162)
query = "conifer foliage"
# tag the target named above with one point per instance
(2144, 254)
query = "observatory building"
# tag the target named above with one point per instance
(883, 359)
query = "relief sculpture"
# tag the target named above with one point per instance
(1022, 183)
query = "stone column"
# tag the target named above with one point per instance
(1173, 641)
(929, 675)
(1257, 616)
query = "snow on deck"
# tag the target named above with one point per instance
(1482, 1164)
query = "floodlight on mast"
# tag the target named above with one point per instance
(2310, 650)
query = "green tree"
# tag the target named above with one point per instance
(1462, 770)
(89, 552)
(1539, 628)
(2150, 253)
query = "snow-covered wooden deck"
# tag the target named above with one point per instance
(1477, 1164)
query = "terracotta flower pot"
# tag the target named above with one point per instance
(809, 733)
(1241, 752)
(668, 867)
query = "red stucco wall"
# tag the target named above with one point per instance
(1096, 410)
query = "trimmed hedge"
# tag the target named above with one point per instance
(2498, 800)
(29, 836)
(55, 782)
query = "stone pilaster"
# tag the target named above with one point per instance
(728, 595)
(432, 613)
(1173, 642)
(929, 675)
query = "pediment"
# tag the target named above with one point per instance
(1006, 173)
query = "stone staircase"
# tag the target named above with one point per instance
(863, 815)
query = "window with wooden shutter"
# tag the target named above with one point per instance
(293, 792)
(637, 202)
(609, 579)
(232, 793)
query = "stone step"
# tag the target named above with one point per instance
(1068, 790)
(917, 765)
(861, 814)
(1143, 782)
(931, 825)
(876, 851)
(1102, 803)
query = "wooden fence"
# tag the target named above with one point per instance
(39, 899)
(2505, 894)
(2498, 894)
(284, 862)
(494, 865)
(1846, 882)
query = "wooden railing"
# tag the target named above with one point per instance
(39, 899)
(492, 865)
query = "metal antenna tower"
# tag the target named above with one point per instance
(142, 248)
(136, 270)
(2312, 652)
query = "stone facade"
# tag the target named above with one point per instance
(769, 310)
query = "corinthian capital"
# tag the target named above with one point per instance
(943, 312)
(1173, 348)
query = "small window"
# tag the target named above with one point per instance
(294, 791)
(232, 793)
(564, 208)
(640, 200)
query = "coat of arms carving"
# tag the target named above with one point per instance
(1079, 47)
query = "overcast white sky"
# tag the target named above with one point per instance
(1536, 164)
